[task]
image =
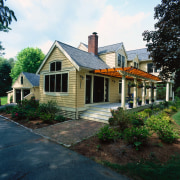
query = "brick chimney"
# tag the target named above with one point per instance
(93, 43)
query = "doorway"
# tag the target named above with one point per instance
(88, 89)
(18, 95)
(98, 91)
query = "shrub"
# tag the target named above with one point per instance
(60, 118)
(143, 114)
(47, 118)
(120, 118)
(106, 134)
(148, 111)
(49, 108)
(173, 108)
(167, 134)
(32, 115)
(29, 104)
(18, 113)
(136, 119)
(136, 136)
(161, 124)
(168, 111)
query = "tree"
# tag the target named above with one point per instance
(6, 17)
(163, 43)
(28, 60)
(5, 79)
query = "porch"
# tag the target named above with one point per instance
(102, 112)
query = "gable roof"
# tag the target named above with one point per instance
(142, 54)
(108, 48)
(79, 58)
(32, 78)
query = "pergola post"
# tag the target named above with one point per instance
(135, 94)
(123, 94)
(143, 93)
(150, 93)
(167, 91)
(155, 92)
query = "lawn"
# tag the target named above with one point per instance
(3, 100)
(176, 117)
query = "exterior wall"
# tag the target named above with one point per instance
(17, 83)
(33, 92)
(109, 59)
(63, 99)
(114, 95)
(143, 65)
(9, 94)
(83, 48)
(122, 52)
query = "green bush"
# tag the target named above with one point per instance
(120, 118)
(143, 114)
(18, 113)
(161, 124)
(137, 136)
(106, 134)
(148, 111)
(136, 119)
(47, 118)
(49, 108)
(29, 104)
(32, 115)
(173, 108)
(60, 118)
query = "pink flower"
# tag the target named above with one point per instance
(16, 114)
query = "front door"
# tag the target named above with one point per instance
(98, 95)
(88, 89)
(18, 95)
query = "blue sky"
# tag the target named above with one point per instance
(41, 22)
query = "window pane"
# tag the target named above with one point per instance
(21, 79)
(58, 82)
(58, 66)
(64, 82)
(149, 68)
(52, 83)
(52, 66)
(119, 60)
(123, 61)
(47, 83)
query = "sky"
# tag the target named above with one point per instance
(41, 22)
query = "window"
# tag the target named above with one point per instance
(55, 66)
(150, 67)
(121, 60)
(120, 86)
(136, 65)
(56, 83)
(21, 79)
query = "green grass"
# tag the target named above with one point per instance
(149, 170)
(176, 117)
(3, 100)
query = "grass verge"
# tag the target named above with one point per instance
(3, 100)
(176, 117)
(149, 170)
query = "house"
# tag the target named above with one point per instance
(26, 86)
(78, 78)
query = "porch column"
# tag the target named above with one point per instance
(155, 92)
(143, 93)
(135, 94)
(21, 94)
(14, 95)
(167, 91)
(150, 93)
(123, 94)
(172, 94)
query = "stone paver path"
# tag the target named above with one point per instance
(70, 132)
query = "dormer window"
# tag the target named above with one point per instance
(121, 60)
(136, 65)
(55, 66)
(21, 79)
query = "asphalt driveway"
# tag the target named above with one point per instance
(25, 155)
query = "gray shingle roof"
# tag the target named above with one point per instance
(33, 78)
(143, 54)
(110, 48)
(107, 49)
(84, 59)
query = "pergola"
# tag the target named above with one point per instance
(132, 73)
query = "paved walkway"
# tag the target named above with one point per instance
(25, 155)
(70, 132)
